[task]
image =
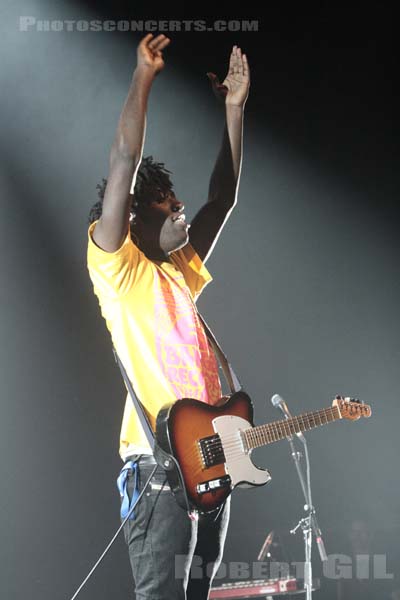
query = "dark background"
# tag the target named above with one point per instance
(306, 291)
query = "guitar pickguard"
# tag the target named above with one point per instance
(238, 463)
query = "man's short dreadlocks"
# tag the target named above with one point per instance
(152, 184)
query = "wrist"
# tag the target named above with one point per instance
(144, 71)
(234, 108)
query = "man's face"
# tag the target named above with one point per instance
(162, 224)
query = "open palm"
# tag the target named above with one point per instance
(235, 87)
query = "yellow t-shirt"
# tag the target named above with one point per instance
(149, 308)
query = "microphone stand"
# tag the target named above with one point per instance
(309, 524)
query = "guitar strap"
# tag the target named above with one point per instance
(144, 419)
(230, 376)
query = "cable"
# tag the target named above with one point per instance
(92, 570)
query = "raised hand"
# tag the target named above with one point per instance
(149, 52)
(235, 87)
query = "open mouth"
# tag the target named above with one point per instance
(179, 217)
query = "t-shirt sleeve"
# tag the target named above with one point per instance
(112, 273)
(192, 268)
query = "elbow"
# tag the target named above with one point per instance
(225, 198)
(121, 152)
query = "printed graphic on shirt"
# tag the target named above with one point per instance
(184, 354)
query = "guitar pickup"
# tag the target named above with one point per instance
(211, 450)
(213, 484)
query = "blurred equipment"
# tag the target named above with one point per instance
(260, 588)
(264, 552)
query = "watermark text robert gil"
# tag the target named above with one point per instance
(338, 566)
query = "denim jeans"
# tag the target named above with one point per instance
(172, 557)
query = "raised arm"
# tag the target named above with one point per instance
(224, 183)
(127, 148)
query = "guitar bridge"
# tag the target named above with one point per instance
(211, 451)
(213, 484)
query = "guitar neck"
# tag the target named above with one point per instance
(278, 430)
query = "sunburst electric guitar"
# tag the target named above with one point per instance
(212, 445)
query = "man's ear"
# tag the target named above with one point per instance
(133, 210)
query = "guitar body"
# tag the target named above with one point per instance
(207, 443)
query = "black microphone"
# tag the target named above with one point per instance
(278, 402)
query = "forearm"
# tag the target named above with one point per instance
(224, 180)
(129, 138)
(234, 125)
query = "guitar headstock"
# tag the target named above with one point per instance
(351, 408)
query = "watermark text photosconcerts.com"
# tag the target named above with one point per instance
(30, 23)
